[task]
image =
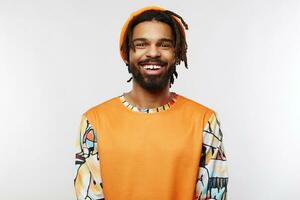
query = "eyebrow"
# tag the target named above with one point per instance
(160, 40)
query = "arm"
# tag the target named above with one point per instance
(213, 175)
(87, 181)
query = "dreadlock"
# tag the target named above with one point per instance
(167, 17)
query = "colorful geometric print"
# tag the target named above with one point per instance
(87, 182)
(213, 173)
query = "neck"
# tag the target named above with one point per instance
(143, 98)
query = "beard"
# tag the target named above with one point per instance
(151, 83)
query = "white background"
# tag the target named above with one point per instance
(59, 58)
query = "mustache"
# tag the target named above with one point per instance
(152, 60)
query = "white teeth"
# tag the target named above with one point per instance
(152, 66)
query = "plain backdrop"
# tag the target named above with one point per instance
(59, 58)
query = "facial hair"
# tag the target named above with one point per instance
(151, 82)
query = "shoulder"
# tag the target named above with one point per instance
(108, 105)
(195, 105)
(195, 108)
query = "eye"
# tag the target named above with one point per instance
(140, 44)
(166, 44)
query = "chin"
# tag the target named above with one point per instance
(153, 83)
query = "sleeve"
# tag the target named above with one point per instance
(213, 173)
(87, 181)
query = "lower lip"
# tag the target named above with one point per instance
(152, 72)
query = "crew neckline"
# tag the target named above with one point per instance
(135, 109)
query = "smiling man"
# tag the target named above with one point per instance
(151, 143)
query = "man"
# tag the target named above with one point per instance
(151, 143)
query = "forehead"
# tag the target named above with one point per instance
(152, 30)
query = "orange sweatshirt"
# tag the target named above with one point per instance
(148, 156)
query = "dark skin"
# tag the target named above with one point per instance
(152, 40)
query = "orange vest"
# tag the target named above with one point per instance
(149, 156)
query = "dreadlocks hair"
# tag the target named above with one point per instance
(165, 16)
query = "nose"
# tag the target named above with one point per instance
(153, 51)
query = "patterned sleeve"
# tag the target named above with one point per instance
(213, 174)
(87, 181)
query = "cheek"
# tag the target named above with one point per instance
(135, 56)
(170, 56)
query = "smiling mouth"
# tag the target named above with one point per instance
(152, 65)
(152, 69)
